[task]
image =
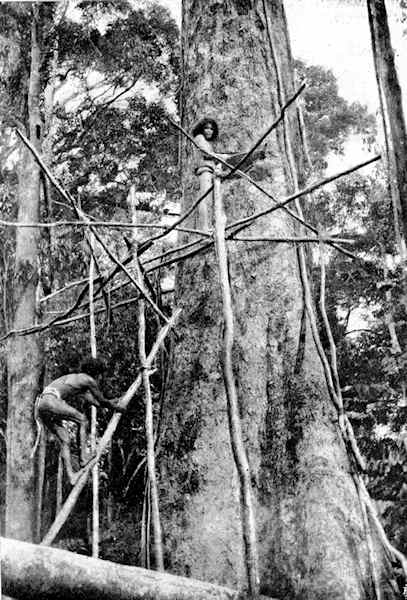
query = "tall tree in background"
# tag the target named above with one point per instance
(393, 117)
(312, 542)
(24, 356)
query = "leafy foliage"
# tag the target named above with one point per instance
(328, 117)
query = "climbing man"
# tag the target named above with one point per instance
(65, 399)
(205, 134)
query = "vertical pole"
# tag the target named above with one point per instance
(143, 540)
(235, 426)
(93, 427)
(40, 483)
(60, 472)
(110, 504)
(151, 511)
(149, 429)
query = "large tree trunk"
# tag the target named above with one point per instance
(40, 573)
(392, 112)
(311, 537)
(24, 358)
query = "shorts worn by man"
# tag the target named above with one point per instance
(64, 399)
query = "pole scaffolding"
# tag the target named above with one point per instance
(269, 195)
(105, 440)
(202, 246)
(76, 304)
(80, 214)
(247, 221)
(233, 169)
(140, 287)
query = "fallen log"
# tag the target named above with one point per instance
(37, 572)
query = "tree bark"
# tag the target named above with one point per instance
(40, 573)
(24, 356)
(311, 536)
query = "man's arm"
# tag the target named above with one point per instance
(98, 399)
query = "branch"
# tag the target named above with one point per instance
(174, 251)
(103, 107)
(357, 331)
(343, 418)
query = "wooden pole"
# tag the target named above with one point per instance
(143, 537)
(106, 438)
(40, 483)
(58, 492)
(235, 427)
(93, 424)
(149, 429)
(151, 489)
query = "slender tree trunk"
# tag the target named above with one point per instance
(392, 113)
(310, 528)
(24, 357)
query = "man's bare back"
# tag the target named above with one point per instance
(59, 402)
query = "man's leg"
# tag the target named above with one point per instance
(56, 409)
(64, 441)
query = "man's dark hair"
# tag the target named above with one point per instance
(200, 126)
(93, 366)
